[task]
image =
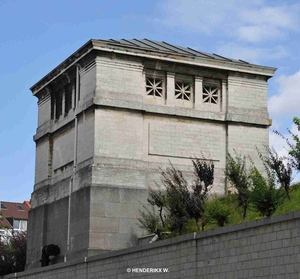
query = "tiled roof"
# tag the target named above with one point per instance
(166, 47)
(14, 210)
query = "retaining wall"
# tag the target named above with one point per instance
(266, 248)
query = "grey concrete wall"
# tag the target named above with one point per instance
(41, 160)
(246, 140)
(124, 136)
(266, 248)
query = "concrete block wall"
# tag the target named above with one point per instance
(87, 84)
(266, 248)
(42, 160)
(123, 139)
(85, 136)
(63, 148)
(121, 79)
(44, 109)
(247, 98)
(118, 134)
(113, 217)
(245, 140)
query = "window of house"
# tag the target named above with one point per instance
(154, 87)
(20, 224)
(211, 91)
(3, 206)
(20, 207)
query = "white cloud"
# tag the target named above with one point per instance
(250, 53)
(257, 33)
(287, 101)
(250, 21)
(285, 16)
(268, 23)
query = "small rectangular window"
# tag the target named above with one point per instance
(68, 97)
(16, 224)
(3, 206)
(20, 207)
(58, 104)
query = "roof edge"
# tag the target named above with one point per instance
(204, 62)
(74, 57)
(109, 46)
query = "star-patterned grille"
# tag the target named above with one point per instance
(183, 91)
(154, 87)
(210, 94)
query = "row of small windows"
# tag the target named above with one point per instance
(183, 90)
(63, 101)
(18, 206)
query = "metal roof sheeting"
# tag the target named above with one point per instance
(166, 47)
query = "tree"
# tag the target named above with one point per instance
(238, 175)
(294, 151)
(177, 197)
(204, 173)
(179, 202)
(218, 212)
(265, 197)
(283, 171)
(13, 252)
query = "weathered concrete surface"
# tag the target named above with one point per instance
(267, 248)
(123, 137)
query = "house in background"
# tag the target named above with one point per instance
(114, 112)
(14, 215)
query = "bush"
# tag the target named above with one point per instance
(179, 201)
(264, 197)
(13, 252)
(150, 221)
(218, 212)
(237, 174)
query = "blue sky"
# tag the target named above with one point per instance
(37, 35)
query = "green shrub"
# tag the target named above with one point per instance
(264, 197)
(179, 202)
(218, 212)
(150, 221)
(237, 174)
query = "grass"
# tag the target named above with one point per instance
(235, 217)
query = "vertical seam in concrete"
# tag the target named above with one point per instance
(148, 138)
(226, 133)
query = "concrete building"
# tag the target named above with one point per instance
(111, 114)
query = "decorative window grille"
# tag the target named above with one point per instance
(210, 94)
(183, 90)
(154, 87)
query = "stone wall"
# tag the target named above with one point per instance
(124, 135)
(266, 248)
